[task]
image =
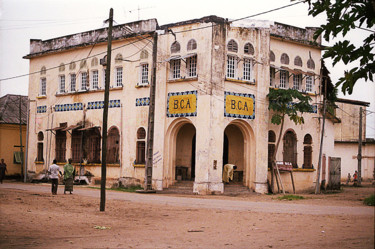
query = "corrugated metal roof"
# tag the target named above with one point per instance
(9, 109)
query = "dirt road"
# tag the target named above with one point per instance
(32, 218)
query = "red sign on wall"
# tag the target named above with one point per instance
(285, 166)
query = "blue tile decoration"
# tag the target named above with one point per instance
(142, 101)
(231, 115)
(68, 107)
(100, 104)
(189, 114)
(41, 109)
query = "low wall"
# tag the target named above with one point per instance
(304, 180)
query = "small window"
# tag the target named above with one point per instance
(175, 47)
(247, 70)
(17, 157)
(141, 133)
(118, 58)
(271, 137)
(84, 81)
(192, 45)
(144, 55)
(144, 74)
(191, 66)
(95, 79)
(119, 76)
(307, 139)
(83, 64)
(94, 62)
(284, 59)
(310, 64)
(231, 66)
(232, 46)
(43, 87)
(297, 81)
(61, 83)
(73, 82)
(284, 79)
(175, 70)
(249, 49)
(298, 61)
(309, 83)
(272, 76)
(272, 56)
(40, 136)
(141, 146)
(43, 70)
(62, 67)
(307, 152)
(72, 66)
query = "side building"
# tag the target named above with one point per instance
(212, 79)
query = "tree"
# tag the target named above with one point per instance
(342, 17)
(286, 102)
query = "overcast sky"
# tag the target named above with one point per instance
(22, 20)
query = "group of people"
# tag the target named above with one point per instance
(355, 178)
(69, 174)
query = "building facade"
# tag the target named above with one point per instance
(212, 79)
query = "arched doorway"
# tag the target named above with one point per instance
(185, 153)
(233, 151)
(290, 148)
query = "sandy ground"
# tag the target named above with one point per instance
(32, 218)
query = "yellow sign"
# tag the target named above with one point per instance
(180, 104)
(239, 105)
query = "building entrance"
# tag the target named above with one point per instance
(233, 152)
(185, 153)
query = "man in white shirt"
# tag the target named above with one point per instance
(53, 172)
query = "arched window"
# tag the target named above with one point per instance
(144, 55)
(94, 62)
(307, 152)
(310, 64)
(298, 61)
(271, 147)
(113, 145)
(284, 59)
(290, 148)
(272, 56)
(192, 44)
(62, 67)
(83, 64)
(232, 46)
(175, 47)
(141, 146)
(118, 58)
(43, 70)
(39, 157)
(72, 66)
(249, 49)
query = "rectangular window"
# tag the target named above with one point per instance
(73, 82)
(141, 152)
(40, 153)
(284, 79)
(76, 147)
(95, 79)
(309, 83)
(272, 76)
(43, 87)
(60, 146)
(247, 70)
(144, 74)
(175, 70)
(231, 67)
(191, 65)
(83, 81)
(62, 83)
(118, 76)
(297, 81)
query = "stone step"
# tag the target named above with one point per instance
(186, 187)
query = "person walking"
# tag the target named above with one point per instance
(69, 174)
(53, 172)
(3, 169)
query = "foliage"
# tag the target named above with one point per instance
(290, 197)
(370, 201)
(283, 103)
(342, 17)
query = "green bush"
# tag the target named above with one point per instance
(291, 197)
(370, 201)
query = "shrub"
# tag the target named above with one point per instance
(370, 201)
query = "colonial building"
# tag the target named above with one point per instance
(212, 79)
(11, 106)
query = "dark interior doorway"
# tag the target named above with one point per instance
(193, 146)
(225, 150)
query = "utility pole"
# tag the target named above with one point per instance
(151, 123)
(317, 187)
(21, 149)
(105, 114)
(359, 156)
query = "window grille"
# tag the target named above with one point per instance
(232, 46)
(284, 78)
(191, 64)
(298, 61)
(95, 79)
(247, 70)
(297, 81)
(119, 76)
(84, 81)
(175, 69)
(284, 59)
(309, 83)
(144, 74)
(62, 83)
(141, 146)
(231, 67)
(249, 49)
(192, 44)
(72, 82)
(43, 86)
